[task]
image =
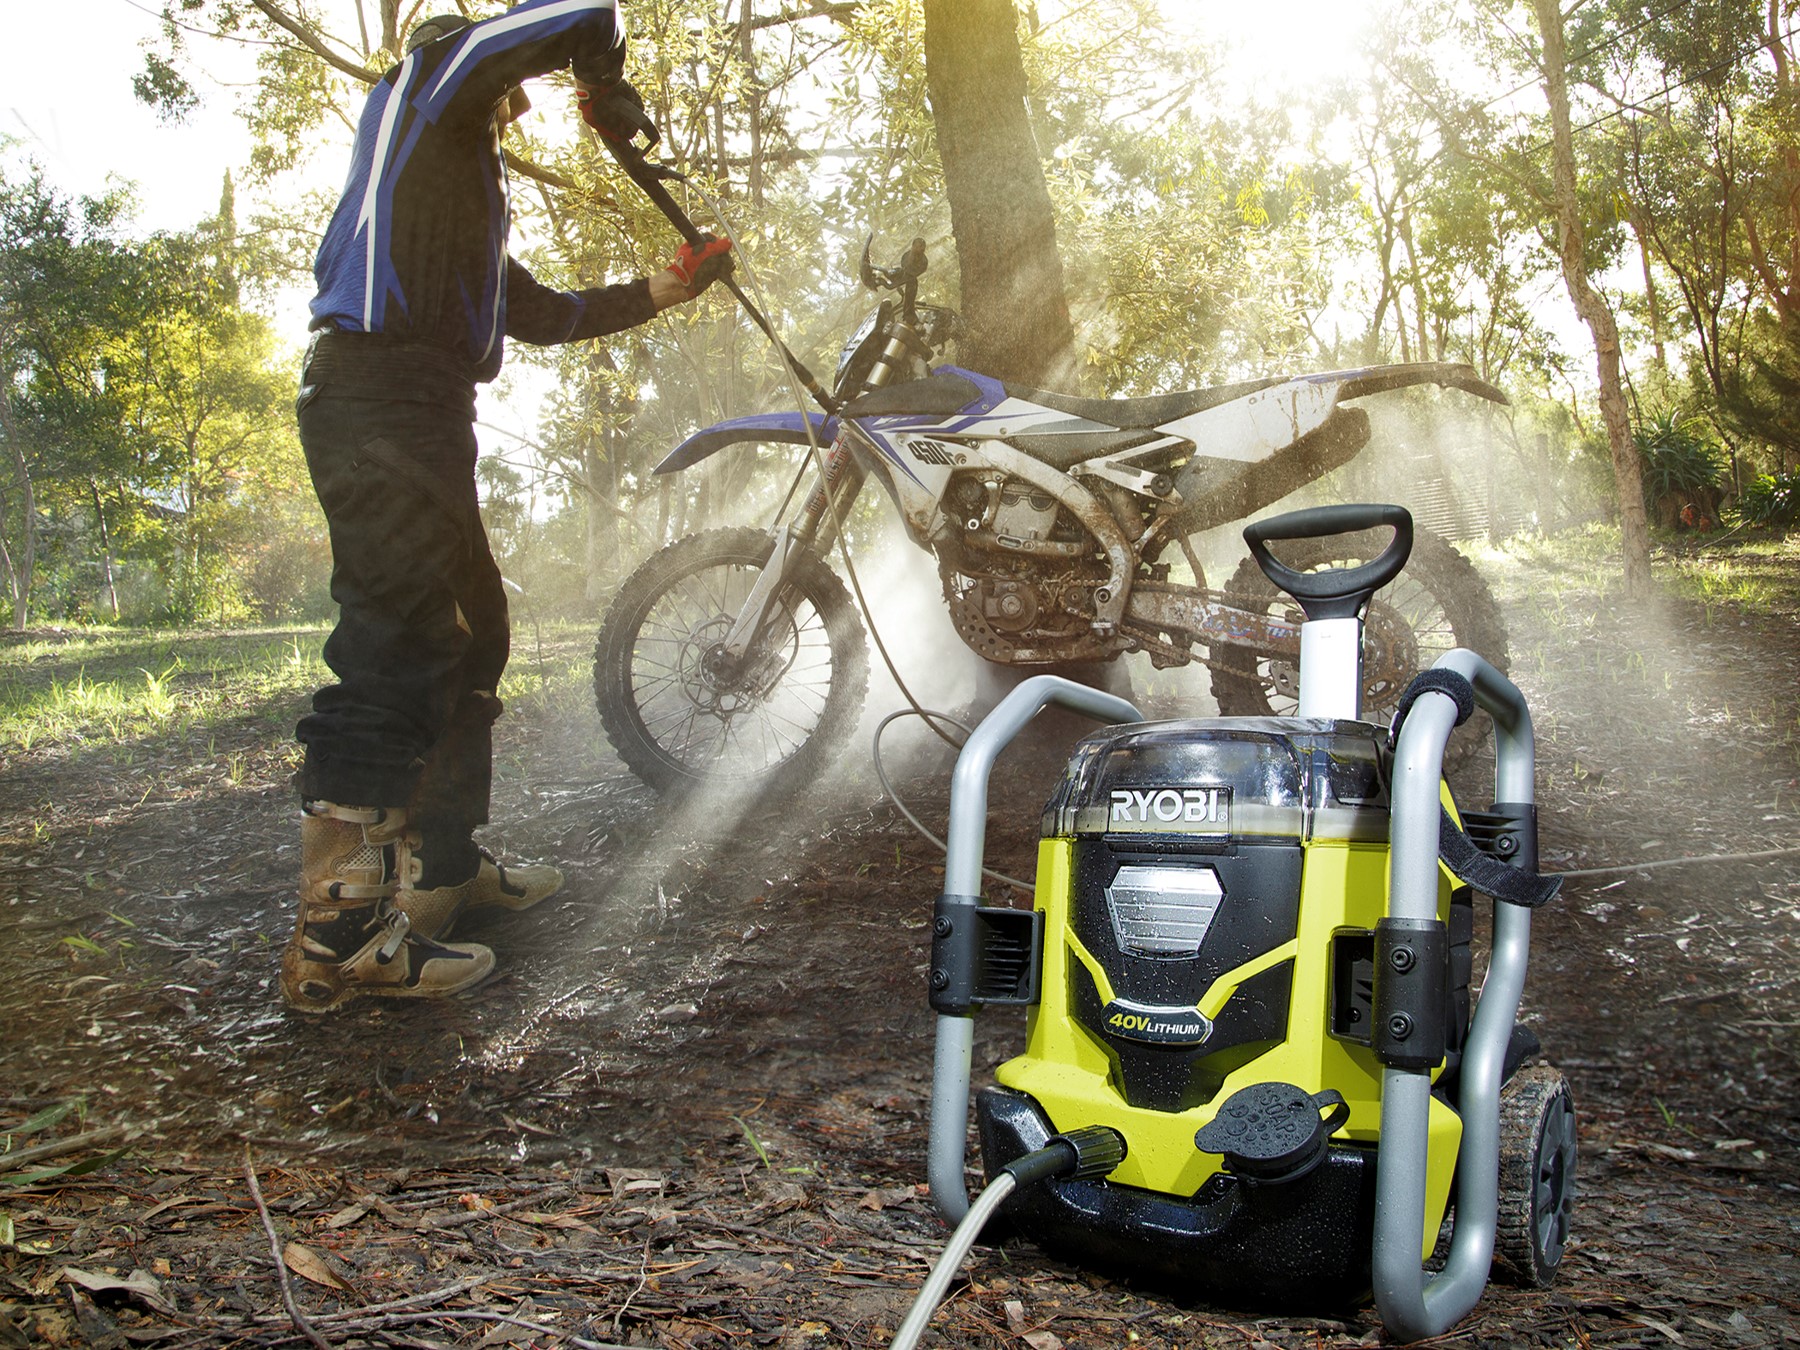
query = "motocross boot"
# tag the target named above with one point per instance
(495, 888)
(361, 932)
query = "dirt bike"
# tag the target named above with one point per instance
(737, 655)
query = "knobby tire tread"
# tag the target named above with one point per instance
(1526, 1103)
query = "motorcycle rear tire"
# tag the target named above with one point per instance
(675, 722)
(1439, 597)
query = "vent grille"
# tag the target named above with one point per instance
(1163, 912)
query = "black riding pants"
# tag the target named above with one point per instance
(422, 634)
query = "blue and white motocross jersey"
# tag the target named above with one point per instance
(417, 246)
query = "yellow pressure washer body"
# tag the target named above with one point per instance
(1210, 892)
(1217, 967)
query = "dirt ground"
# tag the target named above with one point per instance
(691, 1113)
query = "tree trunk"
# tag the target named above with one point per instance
(19, 570)
(1421, 301)
(1013, 301)
(1591, 306)
(753, 104)
(1658, 346)
(106, 549)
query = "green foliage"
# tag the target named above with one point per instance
(163, 87)
(1680, 458)
(111, 687)
(145, 415)
(1771, 500)
(1761, 391)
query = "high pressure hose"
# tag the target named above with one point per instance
(900, 803)
(1085, 1154)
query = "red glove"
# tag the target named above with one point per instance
(697, 268)
(616, 112)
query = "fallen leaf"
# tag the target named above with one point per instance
(346, 1216)
(781, 1196)
(553, 1221)
(1042, 1340)
(629, 1181)
(309, 1265)
(174, 1202)
(511, 1333)
(1655, 1325)
(140, 1284)
(882, 1196)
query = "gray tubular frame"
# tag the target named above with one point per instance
(1412, 1306)
(967, 841)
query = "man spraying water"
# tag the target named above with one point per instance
(417, 294)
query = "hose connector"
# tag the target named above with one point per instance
(1086, 1154)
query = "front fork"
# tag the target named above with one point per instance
(815, 529)
(812, 531)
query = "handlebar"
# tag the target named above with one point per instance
(903, 276)
(1341, 592)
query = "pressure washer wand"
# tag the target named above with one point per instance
(651, 177)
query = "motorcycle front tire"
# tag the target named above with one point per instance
(678, 718)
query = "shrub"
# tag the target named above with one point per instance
(1679, 458)
(1772, 499)
(1682, 468)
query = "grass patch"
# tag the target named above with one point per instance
(550, 664)
(1758, 577)
(113, 686)
(1749, 576)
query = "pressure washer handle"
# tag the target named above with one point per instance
(1413, 1304)
(1340, 593)
(948, 1133)
(650, 179)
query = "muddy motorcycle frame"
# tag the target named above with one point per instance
(1048, 515)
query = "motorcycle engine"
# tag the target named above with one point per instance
(1021, 575)
(1008, 606)
(1023, 513)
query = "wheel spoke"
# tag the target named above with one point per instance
(681, 709)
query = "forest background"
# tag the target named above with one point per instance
(1598, 208)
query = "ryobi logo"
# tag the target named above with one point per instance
(1171, 806)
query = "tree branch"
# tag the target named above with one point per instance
(525, 168)
(297, 1317)
(818, 9)
(314, 42)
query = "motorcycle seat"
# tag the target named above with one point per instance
(1061, 446)
(1098, 426)
(1139, 414)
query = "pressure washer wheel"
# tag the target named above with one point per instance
(1537, 1174)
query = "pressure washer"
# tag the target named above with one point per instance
(1254, 1070)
